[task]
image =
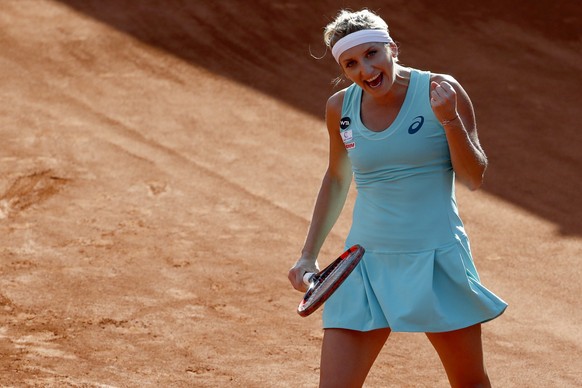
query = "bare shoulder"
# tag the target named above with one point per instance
(335, 102)
(462, 94)
(435, 77)
(464, 100)
(333, 110)
(339, 165)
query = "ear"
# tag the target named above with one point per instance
(393, 50)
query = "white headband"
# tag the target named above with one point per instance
(359, 37)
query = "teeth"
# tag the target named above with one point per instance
(372, 79)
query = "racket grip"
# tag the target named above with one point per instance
(307, 278)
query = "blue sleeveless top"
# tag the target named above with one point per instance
(404, 177)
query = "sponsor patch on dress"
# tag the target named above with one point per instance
(351, 145)
(347, 136)
(345, 122)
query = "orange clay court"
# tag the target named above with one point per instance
(159, 164)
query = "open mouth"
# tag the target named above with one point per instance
(375, 82)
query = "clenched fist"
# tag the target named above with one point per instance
(443, 101)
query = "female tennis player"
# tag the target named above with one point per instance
(403, 134)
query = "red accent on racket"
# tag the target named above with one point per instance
(323, 284)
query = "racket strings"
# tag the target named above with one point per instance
(329, 279)
(326, 282)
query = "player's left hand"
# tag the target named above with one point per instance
(443, 100)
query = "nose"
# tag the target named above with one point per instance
(367, 70)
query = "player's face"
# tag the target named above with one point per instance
(370, 66)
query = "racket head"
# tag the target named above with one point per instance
(324, 283)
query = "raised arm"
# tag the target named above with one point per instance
(453, 108)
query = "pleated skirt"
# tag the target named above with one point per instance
(435, 290)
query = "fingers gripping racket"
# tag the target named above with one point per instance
(323, 284)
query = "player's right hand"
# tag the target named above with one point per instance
(301, 267)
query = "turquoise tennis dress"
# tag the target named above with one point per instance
(417, 274)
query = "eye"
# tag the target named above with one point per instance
(371, 53)
(350, 63)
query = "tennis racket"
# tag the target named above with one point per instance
(323, 284)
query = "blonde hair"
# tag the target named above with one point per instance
(347, 22)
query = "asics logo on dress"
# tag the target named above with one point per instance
(416, 125)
